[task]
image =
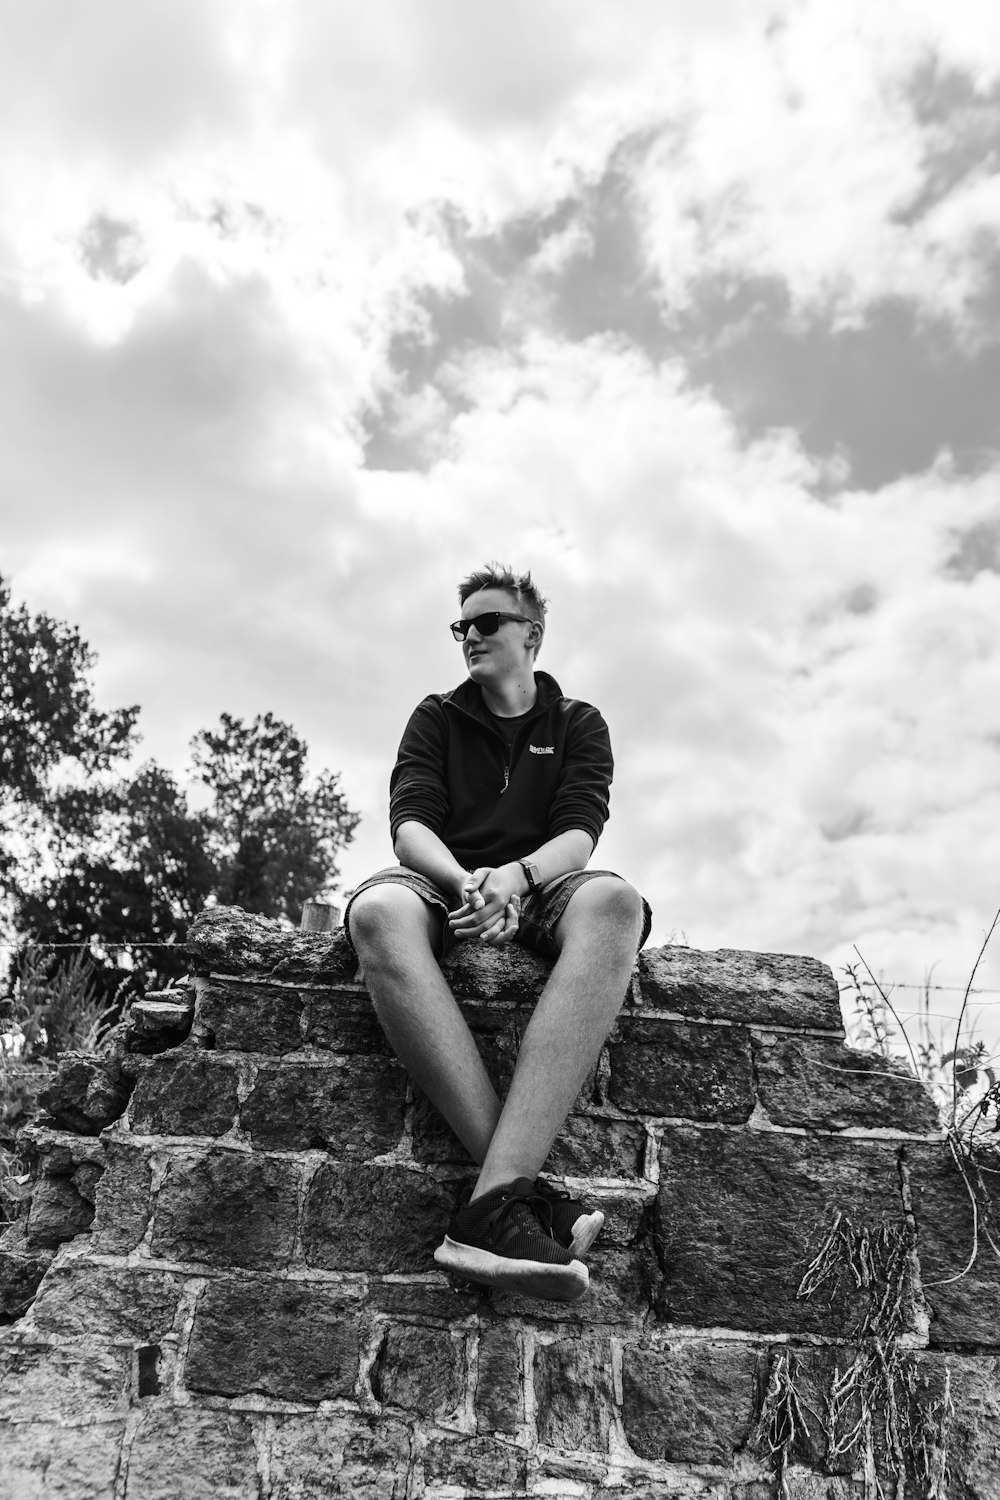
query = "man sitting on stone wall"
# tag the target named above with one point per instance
(498, 797)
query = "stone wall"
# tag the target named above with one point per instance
(228, 1290)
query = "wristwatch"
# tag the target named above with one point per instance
(531, 876)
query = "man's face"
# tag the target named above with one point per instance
(491, 658)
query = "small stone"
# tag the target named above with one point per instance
(352, 1107)
(52, 1462)
(118, 1303)
(87, 1093)
(235, 1015)
(964, 1299)
(122, 1207)
(498, 1381)
(185, 1092)
(473, 1466)
(421, 1370)
(44, 1381)
(58, 1212)
(332, 1455)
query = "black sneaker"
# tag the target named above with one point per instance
(571, 1224)
(499, 1241)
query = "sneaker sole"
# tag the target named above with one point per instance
(585, 1232)
(532, 1278)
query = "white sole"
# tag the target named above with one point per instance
(585, 1232)
(532, 1278)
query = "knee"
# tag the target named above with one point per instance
(613, 905)
(386, 920)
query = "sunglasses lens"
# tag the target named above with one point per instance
(487, 624)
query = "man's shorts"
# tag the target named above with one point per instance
(540, 911)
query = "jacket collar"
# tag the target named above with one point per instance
(468, 696)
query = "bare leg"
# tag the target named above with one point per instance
(395, 933)
(597, 935)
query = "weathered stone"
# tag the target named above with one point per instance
(574, 1393)
(757, 989)
(351, 1107)
(421, 1370)
(236, 1015)
(963, 1299)
(58, 1212)
(22, 1267)
(973, 1429)
(825, 1085)
(289, 1339)
(122, 1208)
(42, 1381)
(740, 1214)
(383, 1219)
(509, 976)
(499, 1405)
(225, 940)
(159, 1020)
(119, 1303)
(474, 1466)
(692, 1403)
(688, 1072)
(200, 1455)
(185, 1092)
(227, 1208)
(342, 1020)
(45, 1461)
(330, 1456)
(421, 1300)
(593, 1146)
(87, 1092)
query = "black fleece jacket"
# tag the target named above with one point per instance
(488, 805)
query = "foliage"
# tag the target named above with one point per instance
(49, 725)
(57, 1005)
(273, 836)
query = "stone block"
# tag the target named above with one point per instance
(973, 1432)
(590, 1145)
(421, 1370)
(420, 1301)
(498, 1402)
(236, 1015)
(822, 1084)
(688, 1072)
(754, 989)
(227, 1208)
(159, 1020)
(574, 1393)
(185, 1092)
(189, 1454)
(691, 1403)
(350, 1106)
(474, 1466)
(740, 1214)
(332, 1455)
(43, 1381)
(507, 976)
(290, 1339)
(226, 940)
(58, 1212)
(963, 1299)
(22, 1267)
(45, 1461)
(115, 1303)
(87, 1093)
(122, 1207)
(381, 1219)
(342, 1020)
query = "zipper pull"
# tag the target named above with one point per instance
(506, 779)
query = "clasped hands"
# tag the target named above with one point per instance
(491, 905)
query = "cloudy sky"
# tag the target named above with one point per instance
(690, 306)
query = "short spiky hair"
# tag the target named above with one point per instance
(500, 576)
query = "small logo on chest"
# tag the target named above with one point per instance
(542, 749)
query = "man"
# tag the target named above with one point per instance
(498, 796)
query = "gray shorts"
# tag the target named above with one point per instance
(539, 912)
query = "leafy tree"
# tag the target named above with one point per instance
(273, 834)
(49, 726)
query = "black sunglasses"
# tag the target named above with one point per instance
(487, 624)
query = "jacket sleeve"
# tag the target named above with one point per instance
(583, 798)
(418, 789)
